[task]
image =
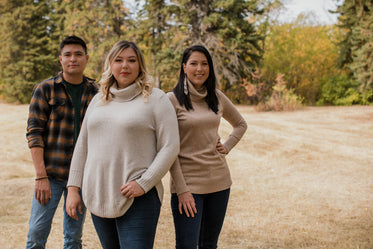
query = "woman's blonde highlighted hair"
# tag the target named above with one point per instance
(144, 80)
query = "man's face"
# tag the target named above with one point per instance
(73, 59)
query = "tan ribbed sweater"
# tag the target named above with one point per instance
(200, 168)
(123, 140)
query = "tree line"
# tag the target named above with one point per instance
(320, 64)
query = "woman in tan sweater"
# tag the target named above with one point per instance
(200, 178)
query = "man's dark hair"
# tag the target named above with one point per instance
(73, 40)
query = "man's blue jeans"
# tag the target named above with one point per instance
(42, 216)
(204, 228)
(135, 229)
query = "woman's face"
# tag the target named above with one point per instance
(197, 69)
(125, 68)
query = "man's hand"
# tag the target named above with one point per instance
(43, 191)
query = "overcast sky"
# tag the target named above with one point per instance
(294, 8)
(318, 7)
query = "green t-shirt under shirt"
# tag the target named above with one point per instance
(75, 91)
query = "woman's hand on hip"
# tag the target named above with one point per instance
(132, 189)
(220, 148)
(73, 202)
(187, 203)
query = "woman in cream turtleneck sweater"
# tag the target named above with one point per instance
(125, 146)
(200, 178)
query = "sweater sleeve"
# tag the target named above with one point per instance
(178, 178)
(168, 144)
(79, 158)
(176, 173)
(234, 118)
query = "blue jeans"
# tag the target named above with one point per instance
(42, 216)
(202, 231)
(135, 229)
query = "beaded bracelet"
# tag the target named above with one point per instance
(41, 178)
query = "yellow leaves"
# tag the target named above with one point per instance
(305, 54)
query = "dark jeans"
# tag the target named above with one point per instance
(203, 230)
(135, 229)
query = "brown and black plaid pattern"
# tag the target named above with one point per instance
(50, 124)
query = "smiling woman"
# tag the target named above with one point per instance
(125, 147)
(200, 176)
(197, 69)
(125, 68)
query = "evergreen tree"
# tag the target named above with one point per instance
(347, 20)
(153, 34)
(100, 23)
(362, 47)
(32, 31)
(27, 56)
(356, 18)
(227, 29)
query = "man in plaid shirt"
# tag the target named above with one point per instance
(56, 112)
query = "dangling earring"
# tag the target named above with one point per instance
(186, 85)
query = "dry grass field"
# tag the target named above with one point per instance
(302, 179)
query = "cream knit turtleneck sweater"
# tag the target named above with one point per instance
(123, 140)
(200, 168)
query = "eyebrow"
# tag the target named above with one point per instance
(198, 60)
(74, 52)
(130, 57)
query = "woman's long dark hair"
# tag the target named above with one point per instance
(210, 84)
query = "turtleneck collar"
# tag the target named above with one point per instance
(126, 94)
(196, 95)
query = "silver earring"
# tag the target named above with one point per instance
(185, 85)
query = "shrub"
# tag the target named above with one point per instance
(281, 99)
(339, 90)
(236, 93)
(257, 90)
(367, 97)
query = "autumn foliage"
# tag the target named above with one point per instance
(276, 98)
(304, 53)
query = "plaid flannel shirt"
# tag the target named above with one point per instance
(50, 124)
